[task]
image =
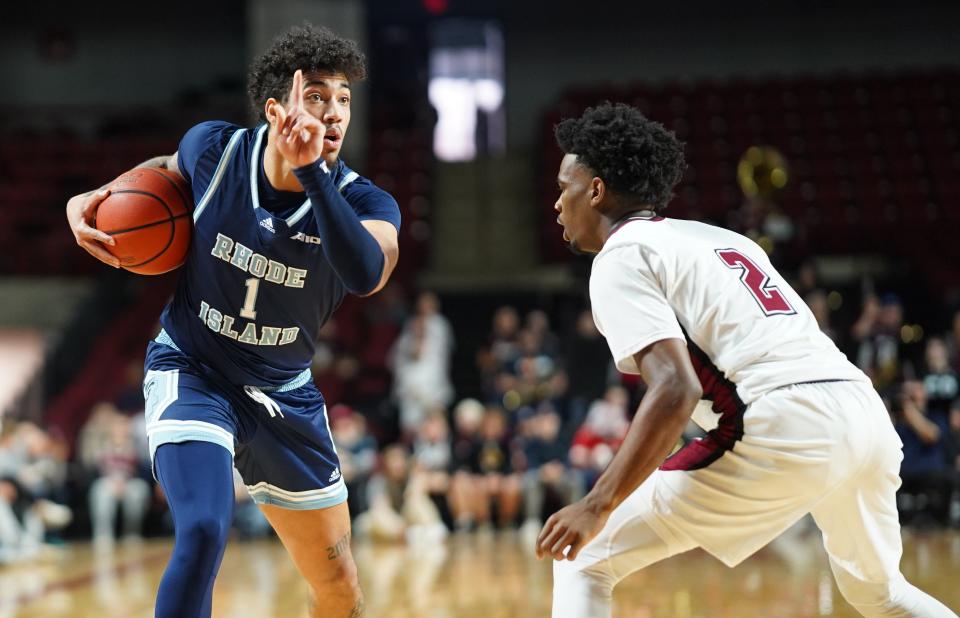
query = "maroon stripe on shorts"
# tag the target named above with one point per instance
(726, 402)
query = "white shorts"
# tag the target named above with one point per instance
(823, 448)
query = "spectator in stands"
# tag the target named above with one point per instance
(538, 323)
(32, 469)
(953, 460)
(545, 459)
(399, 505)
(464, 494)
(334, 370)
(428, 307)
(110, 452)
(596, 442)
(587, 363)
(940, 380)
(432, 456)
(499, 485)
(953, 342)
(500, 351)
(358, 454)
(420, 360)
(926, 473)
(531, 377)
(877, 334)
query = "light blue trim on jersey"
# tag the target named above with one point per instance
(254, 176)
(265, 493)
(161, 390)
(164, 338)
(218, 175)
(254, 167)
(301, 212)
(302, 378)
(350, 177)
(174, 431)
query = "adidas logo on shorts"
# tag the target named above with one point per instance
(334, 475)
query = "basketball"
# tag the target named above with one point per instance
(148, 215)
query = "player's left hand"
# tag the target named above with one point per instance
(300, 134)
(572, 526)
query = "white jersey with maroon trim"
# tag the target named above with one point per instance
(748, 331)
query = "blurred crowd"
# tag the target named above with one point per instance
(422, 463)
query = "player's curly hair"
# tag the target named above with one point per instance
(304, 47)
(637, 158)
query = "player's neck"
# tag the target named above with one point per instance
(278, 172)
(611, 224)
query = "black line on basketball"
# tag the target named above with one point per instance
(173, 233)
(183, 198)
(145, 225)
(170, 218)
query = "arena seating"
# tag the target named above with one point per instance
(874, 157)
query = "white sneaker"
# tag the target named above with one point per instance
(54, 516)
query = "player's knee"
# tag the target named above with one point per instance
(206, 532)
(594, 580)
(875, 598)
(339, 576)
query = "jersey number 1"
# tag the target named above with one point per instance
(769, 297)
(250, 301)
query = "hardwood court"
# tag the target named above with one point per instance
(489, 576)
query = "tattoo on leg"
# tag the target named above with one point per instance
(337, 550)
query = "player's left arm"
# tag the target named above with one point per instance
(673, 392)
(386, 235)
(361, 252)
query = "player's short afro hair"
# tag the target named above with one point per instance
(304, 47)
(636, 157)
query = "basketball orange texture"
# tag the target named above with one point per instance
(148, 213)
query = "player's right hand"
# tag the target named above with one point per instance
(81, 215)
(301, 134)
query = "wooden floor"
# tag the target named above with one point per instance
(486, 575)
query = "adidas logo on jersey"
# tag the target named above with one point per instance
(335, 475)
(268, 224)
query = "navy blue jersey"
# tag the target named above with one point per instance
(256, 287)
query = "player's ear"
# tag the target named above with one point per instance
(272, 109)
(598, 190)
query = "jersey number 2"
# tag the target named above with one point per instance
(250, 301)
(769, 297)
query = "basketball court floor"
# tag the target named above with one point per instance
(493, 575)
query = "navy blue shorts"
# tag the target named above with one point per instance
(280, 439)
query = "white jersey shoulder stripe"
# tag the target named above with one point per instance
(218, 174)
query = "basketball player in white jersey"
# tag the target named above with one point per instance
(701, 314)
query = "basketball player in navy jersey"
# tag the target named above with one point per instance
(283, 229)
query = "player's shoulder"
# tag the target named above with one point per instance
(361, 186)
(209, 133)
(662, 235)
(367, 199)
(638, 236)
(201, 148)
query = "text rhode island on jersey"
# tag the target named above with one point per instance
(260, 267)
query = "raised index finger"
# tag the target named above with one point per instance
(296, 92)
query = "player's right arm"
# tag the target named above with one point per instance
(673, 391)
(82, 214)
